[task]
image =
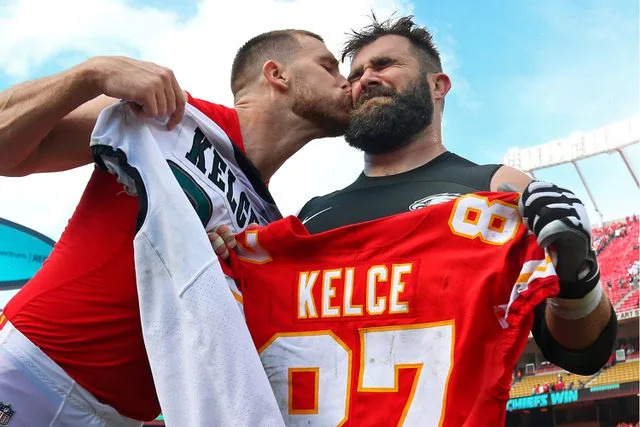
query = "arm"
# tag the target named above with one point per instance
(45, 124)
(571, 334)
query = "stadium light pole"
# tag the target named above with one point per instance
(586, 186)
(626, 161)
(580, 145)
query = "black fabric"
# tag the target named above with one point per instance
(375, 197)
(580, 288)
(583, 362)
(252, 173)
(447, 175)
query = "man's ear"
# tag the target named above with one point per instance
(273, 73)
(440, 85)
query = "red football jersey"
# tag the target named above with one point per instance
(414, 319)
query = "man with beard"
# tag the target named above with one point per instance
(71, 349)
(398, 90)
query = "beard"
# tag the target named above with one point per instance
(331, 115)
(389, 122)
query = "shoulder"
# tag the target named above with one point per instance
(310, 206)
(510, 176)
(494, 175)
(215, 112)
(475, 175)
(223, 116)
(318, 203)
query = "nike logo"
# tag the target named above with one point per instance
(309, 218)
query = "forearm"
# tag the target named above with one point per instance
(29, 111)
(586, 360)
(580, 333)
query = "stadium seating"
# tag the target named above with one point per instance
(616, 259)
(523, 388)
(620, 373)
(631, 302)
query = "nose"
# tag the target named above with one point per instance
(369, 78)
(344, 83)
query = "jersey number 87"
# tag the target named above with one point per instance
(428, 348)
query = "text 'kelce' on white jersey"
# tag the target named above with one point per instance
(205, 367)
(212, 172)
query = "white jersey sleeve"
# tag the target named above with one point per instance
(205, 366)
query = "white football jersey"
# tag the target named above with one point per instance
(205, 366)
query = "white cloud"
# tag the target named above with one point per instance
(199, 49)
(36, 31)
(43, 202)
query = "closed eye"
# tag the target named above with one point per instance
(381, 62)
(378, 63)
(354, 76)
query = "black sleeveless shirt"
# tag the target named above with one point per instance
(443, 178)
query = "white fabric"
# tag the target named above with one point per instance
(205, 366)
(42, 394)
(574, 309)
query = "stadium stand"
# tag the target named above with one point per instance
(620, 373)
(632, 301)
(617, 244)
(525, 386)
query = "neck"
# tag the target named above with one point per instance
(424, 147)
(271, 134)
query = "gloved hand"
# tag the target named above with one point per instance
(559, 221)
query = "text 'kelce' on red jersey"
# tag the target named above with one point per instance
(414, 319)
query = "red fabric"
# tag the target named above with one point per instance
(226, 118)
(453, 279)
(81, 308)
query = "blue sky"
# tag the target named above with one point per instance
(523, 73)
(533, 72)
(536, 71)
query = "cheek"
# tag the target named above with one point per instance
(356, 88)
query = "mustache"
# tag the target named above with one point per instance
(373, 92)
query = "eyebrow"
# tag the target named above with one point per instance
(376, 62)
(330, 59)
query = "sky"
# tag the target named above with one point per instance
(523, 73)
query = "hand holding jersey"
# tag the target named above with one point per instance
(45, 124)
(223, 239)
(559, 220)
(151, 90)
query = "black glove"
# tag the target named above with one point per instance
(559, 219)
